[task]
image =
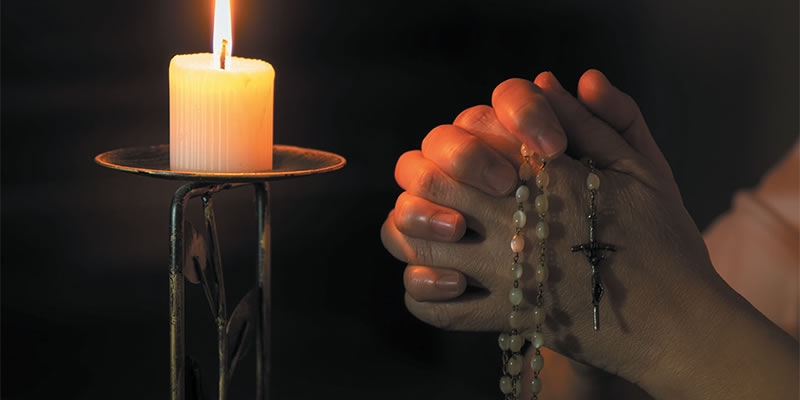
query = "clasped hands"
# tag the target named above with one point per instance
(452, 225)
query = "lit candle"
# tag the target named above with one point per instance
(220, 107)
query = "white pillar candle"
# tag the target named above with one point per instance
(220, 120)
(220, 107)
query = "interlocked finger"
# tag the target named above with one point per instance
(420, 218)
(433, 284)
(468, 159)
(482, 122)
(458, 256)
(423, 178)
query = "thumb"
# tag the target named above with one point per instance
(524, 111)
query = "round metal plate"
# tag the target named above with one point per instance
(288, 162)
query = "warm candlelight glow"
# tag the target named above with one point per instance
(223, 37)
(220, 107)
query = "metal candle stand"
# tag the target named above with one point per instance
(205, 266)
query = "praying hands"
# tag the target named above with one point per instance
(668, 323)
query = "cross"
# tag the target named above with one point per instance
(594, 252)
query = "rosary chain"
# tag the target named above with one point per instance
(535, 382)
(511, 343)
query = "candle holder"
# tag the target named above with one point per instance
(202, 263)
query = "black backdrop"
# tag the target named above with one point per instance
(84, 249)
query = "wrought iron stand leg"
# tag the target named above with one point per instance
(176, 323)
(263, 336)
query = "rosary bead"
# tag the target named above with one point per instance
(517, 243)
(502, 341)
(539, 159)
(525, 171)
(526, 151)
(538, 315)
(515, 343)
(505, 384)
(537, 362)
(520, 219)
(542, 203)
(536, 385)
(515, 296)
(542, 230)
(537, 339)
(541, 273)
(516, 270)
(542, 179)
(514, 319)
(593, 181)
(523, 193)
(517, 390)
(514, 365)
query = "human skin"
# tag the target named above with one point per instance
(764, 265)
(669, 323)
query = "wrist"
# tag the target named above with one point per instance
(689, 345)
(725, 349)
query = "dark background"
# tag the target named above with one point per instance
(84, 249)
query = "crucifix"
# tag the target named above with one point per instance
(594, 251)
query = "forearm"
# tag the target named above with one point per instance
(727, 350)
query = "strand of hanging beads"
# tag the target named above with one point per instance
(511, 342)
(541, 203)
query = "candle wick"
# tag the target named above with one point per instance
(223, 54)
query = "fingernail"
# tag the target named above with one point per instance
(551, 143)
(448, 281)
(500, 177)
(444, 224)
(548, 138)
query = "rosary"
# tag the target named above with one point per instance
(511, 342)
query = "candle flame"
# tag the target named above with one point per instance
(223, 38)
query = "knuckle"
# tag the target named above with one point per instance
(440, 129)
(634, 166)
(408, 277)
(441, 317)
(427, 182)
(507, 85)
(409, 153)
(627, 164)
(404, 162)
(395, 244)
(403, 212)
(434, 137)
(385, 231)
(529, 108)
(476, 116)
(412, 283)
(514, 87)
(417, 292)
(500, 91)
(423, 252)
(466, 156)
(386, 237)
